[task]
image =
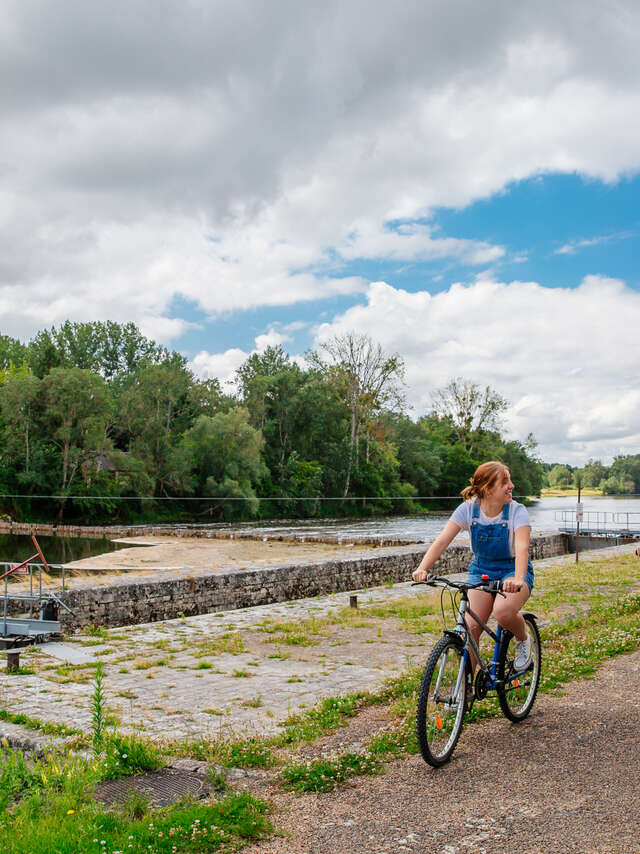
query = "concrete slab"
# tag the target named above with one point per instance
(67, 652)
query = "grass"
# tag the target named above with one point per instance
(36, 724)
(323, 775)
(46, 806)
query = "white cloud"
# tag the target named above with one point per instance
(206, 365)
(566, 359)
(271, 338)
(222, 366)
(574, 246)
(221, 153)
(414, 242)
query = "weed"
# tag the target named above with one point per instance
(21, 671)
(126, 754)
(97, 631)
(97, 710)
(323, 775)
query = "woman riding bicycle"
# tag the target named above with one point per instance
(500, 532)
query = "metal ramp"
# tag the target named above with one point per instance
(43, 605)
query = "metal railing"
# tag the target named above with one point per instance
(36, 596)
(600, 522)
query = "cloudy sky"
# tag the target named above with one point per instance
(457, 179)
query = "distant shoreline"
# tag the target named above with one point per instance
(570, 492)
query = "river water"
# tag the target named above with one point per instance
(546, 514)
(15, 548)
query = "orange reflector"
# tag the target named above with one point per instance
(516, 683)
(438, 722)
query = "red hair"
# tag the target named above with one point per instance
(484, 478)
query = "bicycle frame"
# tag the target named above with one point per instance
(488, 668)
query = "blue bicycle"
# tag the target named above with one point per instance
(448, 689)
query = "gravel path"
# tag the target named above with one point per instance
(565, 780)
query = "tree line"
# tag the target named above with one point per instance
(622, 477)
(100, 424)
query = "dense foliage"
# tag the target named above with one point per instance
(622, 477)
(98, 423)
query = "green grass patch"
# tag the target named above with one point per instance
(46, 806)
(323, 775)
(123, 755)
(326, 717)
(36, 724)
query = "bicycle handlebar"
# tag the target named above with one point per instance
(494, 587)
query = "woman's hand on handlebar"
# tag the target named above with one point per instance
(510, 585)
(420, 574)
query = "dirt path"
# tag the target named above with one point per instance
(566, 780)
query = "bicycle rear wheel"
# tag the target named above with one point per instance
(517, 693)
(442, 701)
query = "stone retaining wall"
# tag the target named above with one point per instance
(129, 602)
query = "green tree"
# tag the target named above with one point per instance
(154, 409)
(12, 352)
(614, 486)
(77, 408)
(369, 381)
(20, 404)
(593, 473)
(222, 456)
(420, 464)
(470, 408)
(626, 469)
(105, 347)
(560, 477)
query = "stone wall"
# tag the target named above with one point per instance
(128, 602)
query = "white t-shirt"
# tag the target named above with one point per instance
(518, 516)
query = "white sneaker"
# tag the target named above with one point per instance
(523, 654)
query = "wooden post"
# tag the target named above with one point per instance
(13, 660)
(353, 601)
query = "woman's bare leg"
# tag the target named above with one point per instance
(482, 604)
(506, 612)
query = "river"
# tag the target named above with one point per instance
(543, 513)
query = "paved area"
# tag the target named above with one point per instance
(241, 671)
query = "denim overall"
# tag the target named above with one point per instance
(491, 551)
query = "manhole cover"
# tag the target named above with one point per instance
(161, 787)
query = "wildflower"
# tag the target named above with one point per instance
(70, 812)
(4, 742)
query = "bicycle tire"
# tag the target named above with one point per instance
(517, 691)
(440, 712)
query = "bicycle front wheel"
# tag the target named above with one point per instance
(517, 691)
(442, 702)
